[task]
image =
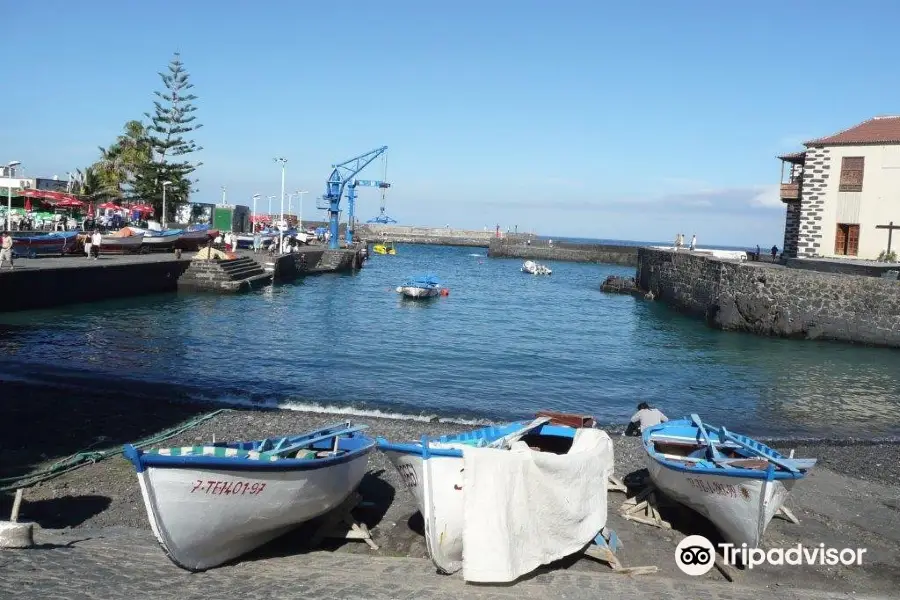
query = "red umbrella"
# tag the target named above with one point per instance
(110, 205)
(70, 203)
(27, 203)
(144, 208)
(91, 208)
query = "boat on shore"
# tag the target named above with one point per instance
(210, 504)
(125, 240)
(194, 236)
(533, 268)
(422, 286)
(159, 240)
(734, 481)
(57, 243)
(434, 471)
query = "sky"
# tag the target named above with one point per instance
(567, 118)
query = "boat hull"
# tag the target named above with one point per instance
(110, 244)
(57, 243)
(204, 517)
(161, 242)
(436, 485)
(741, 509)
(417, 293)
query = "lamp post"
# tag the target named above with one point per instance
(9, 174)
(283, 161)
(165, 184)
(270, 198)
(223, 195)
(253, 225)
(300, 217)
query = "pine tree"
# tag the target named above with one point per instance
(171, 120)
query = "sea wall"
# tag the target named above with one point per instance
(770, 300)
(438, 236)
(543, 250)
(30, 288)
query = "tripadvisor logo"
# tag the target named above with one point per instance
(696, 555)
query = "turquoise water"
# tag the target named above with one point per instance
(501, 345)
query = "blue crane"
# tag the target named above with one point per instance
(341, 175)
(351, 201)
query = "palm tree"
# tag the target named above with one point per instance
(96, 187)
(126, 155)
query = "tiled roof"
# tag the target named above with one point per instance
(878, 130)
(793, 156)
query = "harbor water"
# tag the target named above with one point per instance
(502, 345)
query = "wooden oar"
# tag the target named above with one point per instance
(311, 441)
(695, 419)
(508, 439)
(308, 435)
(723, 433)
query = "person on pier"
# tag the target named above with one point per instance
(646, 416)
(6, 244)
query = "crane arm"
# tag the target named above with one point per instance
(347, 170)
(369, 183)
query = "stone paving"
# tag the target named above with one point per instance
(127, 564)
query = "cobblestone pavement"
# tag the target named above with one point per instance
(127, 564)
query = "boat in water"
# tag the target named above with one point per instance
(384, 248)
(422, 286)
(159, 239)
(504, 482)
(533, 268)
(734, 481)
(125, 240)
(57, 243)
(210, 504)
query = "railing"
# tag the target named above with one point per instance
(790, 191)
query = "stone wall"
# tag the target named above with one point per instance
(598, 253)
(768, 300)
(812, 204)
(437, 236)
(791, 229)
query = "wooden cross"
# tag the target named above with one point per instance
(890, 227)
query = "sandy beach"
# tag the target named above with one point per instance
(852, 498)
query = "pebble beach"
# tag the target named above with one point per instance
(853, 494)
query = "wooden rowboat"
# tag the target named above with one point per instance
(210, 504)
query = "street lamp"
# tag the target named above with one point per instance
(283, 161)
(270, 198)
(300, 217)
(253, 225)
(9, 173)
(165, 184)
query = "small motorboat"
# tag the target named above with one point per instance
(125, 240)
(57, 243)
(384, 248)
(533, 268)
(159, 239)
(474, 501)
(209, 504)
(423, 286)
(734, 481)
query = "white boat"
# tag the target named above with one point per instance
(123, 240)
(433, 471)
(424, 286)
(734, 481)
(210, 504)
(159, 239)
(533, 268)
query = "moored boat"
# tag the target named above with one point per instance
(533, 268)
(55, 243)
(124, 240)
(442, 475)
(734, 481)
(422, 286)
(384, 248)
(210, 504)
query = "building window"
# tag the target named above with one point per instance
(851, 174)
(846, 239)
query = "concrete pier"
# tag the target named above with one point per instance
(435, 236)
(566, 251)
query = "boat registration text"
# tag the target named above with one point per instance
(228, 488)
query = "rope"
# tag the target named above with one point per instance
(87, 456)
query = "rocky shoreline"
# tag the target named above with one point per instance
(852, 498)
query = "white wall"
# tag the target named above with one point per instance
(877, 204)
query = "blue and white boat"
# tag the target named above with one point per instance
(56, 243)
(433, 470)
(155, 239)
(212, 503)
(734, 481)
(421, 286)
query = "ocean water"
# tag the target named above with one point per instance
(502, 345)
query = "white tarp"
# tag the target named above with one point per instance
(524, 508)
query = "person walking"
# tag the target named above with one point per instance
(693, 242)
(96, 238)
(774, 252)
(6, 244)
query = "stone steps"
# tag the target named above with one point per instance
(225, 275)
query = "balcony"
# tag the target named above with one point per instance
(790, 191)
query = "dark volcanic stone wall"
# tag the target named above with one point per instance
(595, 253)
(767, 300)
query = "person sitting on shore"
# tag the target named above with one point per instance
(645, 417)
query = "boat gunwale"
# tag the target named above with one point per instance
(143, 460)
(702, 469)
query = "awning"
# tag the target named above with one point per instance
(48, 196)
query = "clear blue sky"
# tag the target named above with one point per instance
(571, 118)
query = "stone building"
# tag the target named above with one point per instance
(843, 193)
